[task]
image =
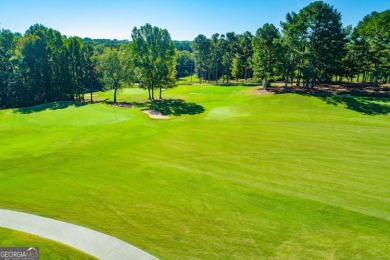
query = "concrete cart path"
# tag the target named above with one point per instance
(84, 239)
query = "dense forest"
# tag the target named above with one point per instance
(310, 47)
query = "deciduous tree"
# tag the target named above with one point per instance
(115, 73)
(155, 57)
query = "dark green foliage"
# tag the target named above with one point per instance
(315, 43)
(43, 66)
(373, 36)
(216, 60)
(201, 46)
(313, 47)
(91, 73)
(214, 57)
(244, 54)
(325, 37)
(185, 64)
(230, 46)
(266, 53)
(10, 74)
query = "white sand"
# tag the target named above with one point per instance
(155, 114)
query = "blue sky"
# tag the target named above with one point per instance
(184, 19)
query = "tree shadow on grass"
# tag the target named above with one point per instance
(361, 98)
(233, 84)
(365, 105)
(49, 106)
(176, 107)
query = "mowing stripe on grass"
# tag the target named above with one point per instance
(87, 240)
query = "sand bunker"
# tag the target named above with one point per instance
(155, 114)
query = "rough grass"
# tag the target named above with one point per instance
(47, 249)
(246, 177)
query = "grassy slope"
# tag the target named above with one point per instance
(48, 249)
(274, 176)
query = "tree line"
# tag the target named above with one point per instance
(44, 66)
(311, 47)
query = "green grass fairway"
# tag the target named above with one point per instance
(231, 175)
(48, 249)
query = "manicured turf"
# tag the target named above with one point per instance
(232, 175)
(47, 249)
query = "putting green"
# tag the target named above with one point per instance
(230, 175)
